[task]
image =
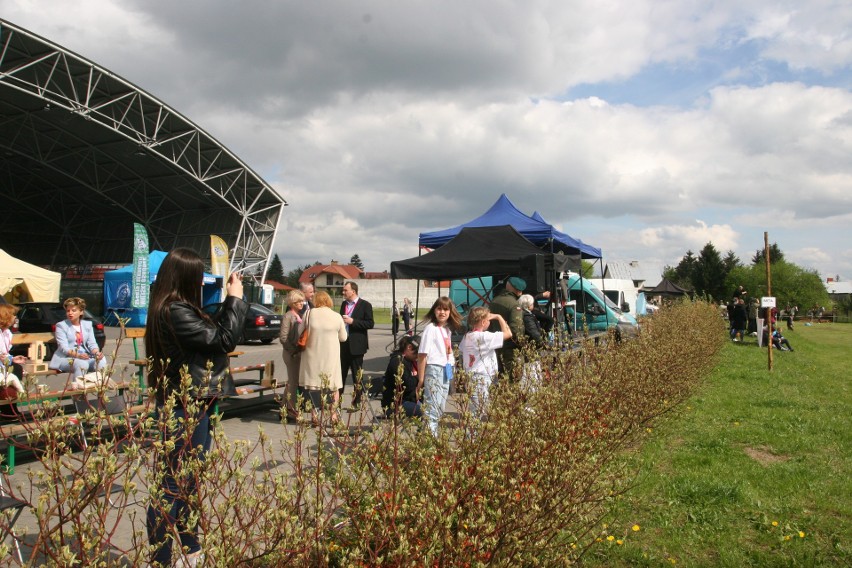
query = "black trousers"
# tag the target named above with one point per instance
(354, 363)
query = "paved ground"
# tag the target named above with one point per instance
(238, 424)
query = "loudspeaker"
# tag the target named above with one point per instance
(532, 271)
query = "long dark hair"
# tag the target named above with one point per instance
(178, 280)
(454, 321)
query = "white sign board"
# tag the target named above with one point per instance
(767, 302)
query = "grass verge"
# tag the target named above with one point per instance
(755, 471)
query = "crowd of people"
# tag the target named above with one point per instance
(743, 318)
(421, 369)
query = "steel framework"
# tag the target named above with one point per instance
(86, 153)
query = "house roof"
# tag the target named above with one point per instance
(843, 287)
(277, 286)
(632, 270)
(347, 271)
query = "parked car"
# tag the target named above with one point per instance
(262, 324)
(42, 317)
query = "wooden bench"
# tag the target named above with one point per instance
(264, 382)
(10, 431)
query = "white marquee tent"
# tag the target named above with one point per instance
(33, 283)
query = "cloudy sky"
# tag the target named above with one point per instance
(646, 128)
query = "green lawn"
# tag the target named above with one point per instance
(755, 469)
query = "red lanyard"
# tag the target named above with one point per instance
(447, 342)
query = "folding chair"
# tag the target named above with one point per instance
(16, 507)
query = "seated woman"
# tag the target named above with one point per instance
(76, 348)
(10, 384)
(400, 383)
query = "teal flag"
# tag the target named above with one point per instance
(140, 267)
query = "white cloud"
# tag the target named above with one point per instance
(378, 120)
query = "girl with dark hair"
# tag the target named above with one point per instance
(435, 360)
(181, 340)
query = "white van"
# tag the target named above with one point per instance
(620, 291)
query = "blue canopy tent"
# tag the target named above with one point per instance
(588, 251)
(118, 288)
(537, 231)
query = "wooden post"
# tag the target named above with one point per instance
(768, 293)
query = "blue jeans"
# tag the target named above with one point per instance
(412, 409)
(435, 392)
(81, 366)
(170, 515)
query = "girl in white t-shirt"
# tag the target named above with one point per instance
(479, 355)
(435, 359)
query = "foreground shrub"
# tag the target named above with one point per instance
(527, 486)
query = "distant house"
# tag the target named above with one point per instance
(330, 277)
(838, 290)
(629, 270)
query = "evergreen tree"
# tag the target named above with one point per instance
(775, 255)
(356, 261)
(730, 261)
(708, 276)
(682, 274)
(275, 272)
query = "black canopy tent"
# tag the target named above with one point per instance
(667, 289)
(482, 251)
(487, 251)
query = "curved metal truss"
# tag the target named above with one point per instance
(86, 153)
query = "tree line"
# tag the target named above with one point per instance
(715, 277)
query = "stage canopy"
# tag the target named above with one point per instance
(85, 153)
(479, 251)
(537, 231)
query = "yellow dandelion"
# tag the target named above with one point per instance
(619, 542)
(598, 539)
(610, 538)
(801, 534)
(787, 537)
(573, 546)
(636, 528)
(672, 560)
(774, 523)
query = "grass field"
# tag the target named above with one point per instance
(754, 471)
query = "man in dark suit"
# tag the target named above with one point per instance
(358, 316)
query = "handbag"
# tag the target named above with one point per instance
(303, 337)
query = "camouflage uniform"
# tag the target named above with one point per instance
(506, 305)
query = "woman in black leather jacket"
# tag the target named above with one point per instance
(180, 339)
